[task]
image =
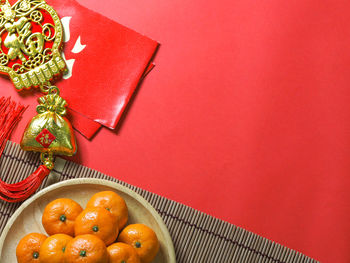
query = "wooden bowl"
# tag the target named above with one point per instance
(27, 218)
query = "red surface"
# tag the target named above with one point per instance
(246, 116)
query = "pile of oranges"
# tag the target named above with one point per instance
(97, 234)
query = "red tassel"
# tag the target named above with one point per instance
(10, 114)
(19, 192)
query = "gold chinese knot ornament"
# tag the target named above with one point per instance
(31, 37)
(31, 40)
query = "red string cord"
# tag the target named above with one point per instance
(10, 115)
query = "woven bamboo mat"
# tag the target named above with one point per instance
(197, 237)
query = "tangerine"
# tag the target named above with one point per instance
(53, 248)
(86, 249)
(28, 248)
(121, 252)
(143, 239)
(113, 202)
(59, 216)
(99, 222)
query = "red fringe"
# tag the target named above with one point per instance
(19, 192)
(10, 115)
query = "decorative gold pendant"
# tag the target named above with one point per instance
(32, 34)
(31, 37)
(50, 132)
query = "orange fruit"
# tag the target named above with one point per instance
(28, 248)
(53, 248)
(113, 203)
(99, 222)
(121, 252)
(59, 216)
(86, 249)
(143, 239)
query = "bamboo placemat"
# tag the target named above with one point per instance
(197, 237)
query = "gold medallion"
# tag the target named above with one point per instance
(31, 38)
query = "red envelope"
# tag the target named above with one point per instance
(109, 61)
(86, 126)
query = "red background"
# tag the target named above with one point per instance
(245, 117)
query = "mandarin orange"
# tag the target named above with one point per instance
(121, 252)
(99, 222)
(143, 239)
(53, 248)
(86, 249)
(113, 203)
(59, 216)
(28, 248)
